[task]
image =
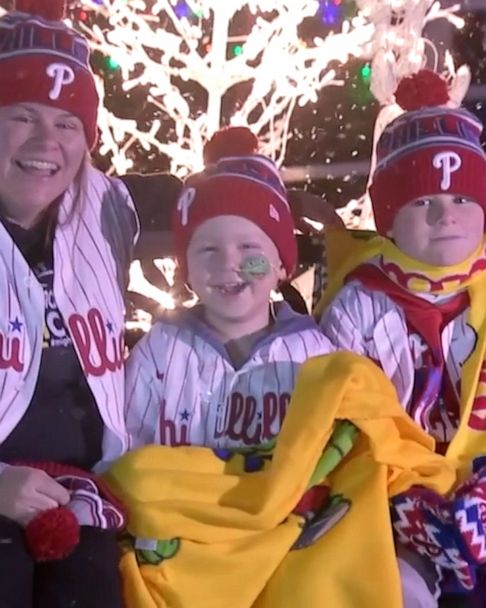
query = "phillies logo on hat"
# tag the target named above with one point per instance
(448, 162)
(184, 203)
(62, 75)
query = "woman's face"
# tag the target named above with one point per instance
(41, 151)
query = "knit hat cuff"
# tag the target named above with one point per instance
(240, 197)
(25, 79)
(421, 173)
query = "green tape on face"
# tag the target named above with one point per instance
(254, 267)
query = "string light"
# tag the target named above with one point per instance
(331, 11)
(365, 72)
(112, 64)
(182, 10)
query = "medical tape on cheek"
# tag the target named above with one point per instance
(255, 267)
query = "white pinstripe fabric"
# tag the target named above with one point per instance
(85, 278)
(182, 390)
(371, 324)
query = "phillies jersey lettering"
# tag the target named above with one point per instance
(251, 419)
(173, 432)
(182, 388)
(10, 348)
(245, 419)
(99, 347)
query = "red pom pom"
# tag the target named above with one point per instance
(422, 90)
(52, 10)
(230, 141)
(53, 534)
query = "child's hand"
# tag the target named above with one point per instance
(25, 492)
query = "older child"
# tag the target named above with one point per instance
(221, 374)
(417, 308)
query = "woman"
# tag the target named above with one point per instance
(66, 234)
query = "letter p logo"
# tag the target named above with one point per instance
(62, 75)
(449, 162)
(184, 203)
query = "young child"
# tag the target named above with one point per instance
(221, 374)
(417, 309)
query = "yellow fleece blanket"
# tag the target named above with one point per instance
(226, 535)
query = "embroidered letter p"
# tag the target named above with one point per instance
(449, 162)
(184, 203)
(62, 75)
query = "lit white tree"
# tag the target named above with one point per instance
(282, 70)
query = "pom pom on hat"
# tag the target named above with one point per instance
(52, 10)
(422, 90)
(230, 141)
(52, 534)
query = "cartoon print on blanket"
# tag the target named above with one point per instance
(320, 510)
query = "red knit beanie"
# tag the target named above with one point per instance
(429, 150)
(247, 185)
(44, 61)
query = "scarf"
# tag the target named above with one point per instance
(418, 277)
(468, 277)
(434, 404)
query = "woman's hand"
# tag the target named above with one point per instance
(25, 492)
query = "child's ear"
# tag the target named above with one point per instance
(281, 273)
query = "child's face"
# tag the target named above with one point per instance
(216, 252)
(439, 230)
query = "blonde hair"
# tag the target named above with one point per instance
(80, 183)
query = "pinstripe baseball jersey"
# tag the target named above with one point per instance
(182, 388)
(369, 323)
(88, 288)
